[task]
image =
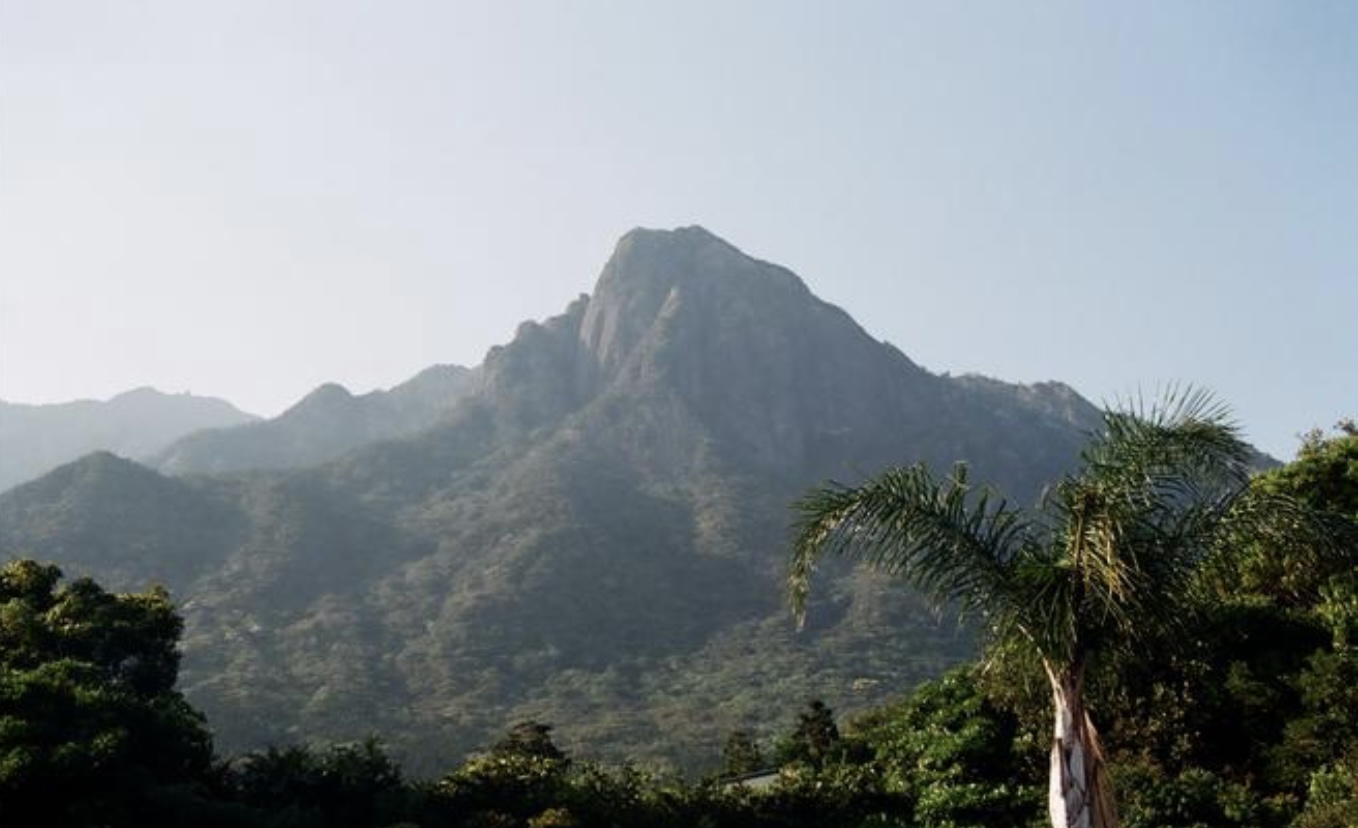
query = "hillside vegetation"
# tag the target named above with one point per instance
(1253, 724)
(593, 534)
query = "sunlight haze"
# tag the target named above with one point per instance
(248, 199)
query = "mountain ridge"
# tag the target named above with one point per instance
(322, 426)
(35, 438)
(592, 535)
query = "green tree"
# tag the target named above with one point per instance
(91, 728)
(523, 774)
(344, 786)
(952, 754)
(741, 755)
(815, 740)
(1324, 476)
(1333, 795)
(1107, 565)
(531, 739)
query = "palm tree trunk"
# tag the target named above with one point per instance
(1081, 795)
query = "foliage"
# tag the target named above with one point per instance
(530, 739)
(815, 740)
(1324, 476)
(1332, 795)
(1249, 722)
(1229, 722)
(344, 786)
(1192, 798)
(1324, 472)
(1245, 715)
(741, 754)
(524, 774)
(1108, 567)
(90, 725)
(953, 754)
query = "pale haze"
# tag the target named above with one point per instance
(247, 199)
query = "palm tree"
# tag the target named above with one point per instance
(1108, 562)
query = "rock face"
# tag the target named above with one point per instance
(34, 439)
(741, 351)
(594, 534)
(778, 376)
(321, 427)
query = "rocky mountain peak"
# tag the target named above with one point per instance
(653, 273)
(741, 349)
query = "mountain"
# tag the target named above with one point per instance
(35, 439)
(594, 535)
(321, 427)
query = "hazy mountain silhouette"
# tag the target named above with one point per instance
(594, 535)
(323, 426)
(34, 439)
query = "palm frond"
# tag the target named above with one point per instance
(942, 536)
(1180, 448)
(1043, 607)
(1130, 529)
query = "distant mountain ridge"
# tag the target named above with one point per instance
(593, 534)
(35, 439)
(321, 427)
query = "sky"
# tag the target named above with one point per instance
(247, 199)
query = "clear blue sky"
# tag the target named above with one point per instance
(246, 199)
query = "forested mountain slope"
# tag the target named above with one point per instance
(594, 535)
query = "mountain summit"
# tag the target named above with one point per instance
(592, 534)
(741, 350)
(659, 283)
